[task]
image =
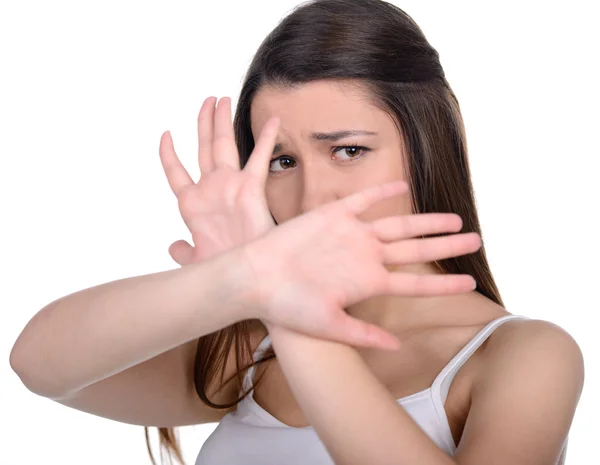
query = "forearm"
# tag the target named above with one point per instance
(354, 414)
(95, 333)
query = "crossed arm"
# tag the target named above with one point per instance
(522, 403)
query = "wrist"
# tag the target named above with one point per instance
(260, 277)
(244, 298)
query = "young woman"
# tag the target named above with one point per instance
(343, 97)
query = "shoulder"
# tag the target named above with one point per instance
(532, 371)
(532, 350)
(538, 337)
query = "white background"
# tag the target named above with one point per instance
(87, 89)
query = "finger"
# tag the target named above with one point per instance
(355, 332)
(418, 285)
(394, 228)
(205, 135)
(224, 148)
(359, 202)
(430, 249)
(259, 161)
(177, 176)
(182, 252)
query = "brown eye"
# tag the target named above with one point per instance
(282, 162)
(351, 151)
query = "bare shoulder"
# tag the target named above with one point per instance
(532, 371)
(533, 335)
(538, 347)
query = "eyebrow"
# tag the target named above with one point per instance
(330, 137)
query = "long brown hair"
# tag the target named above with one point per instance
(378, 45)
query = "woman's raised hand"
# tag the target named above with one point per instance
(307, 270)
(227, 206)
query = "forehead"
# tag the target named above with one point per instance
(316, 106)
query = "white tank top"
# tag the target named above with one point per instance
(252, 436)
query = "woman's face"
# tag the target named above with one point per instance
(309, 167)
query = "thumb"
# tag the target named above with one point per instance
(357, 333)
(181, 252)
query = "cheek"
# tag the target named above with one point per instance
(381, 173)
(278, 204)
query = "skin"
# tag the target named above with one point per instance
(513, 402)
(498, 402)
(306, 173)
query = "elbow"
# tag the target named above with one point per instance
(19, 365)
(14, 361)
(25, 369)
(28, 359)
(17, 358)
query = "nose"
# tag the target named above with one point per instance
(317, 189)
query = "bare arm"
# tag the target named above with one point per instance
(533, 372)
(354, 414)
(160, 391)
(98, 332)
(524, 400)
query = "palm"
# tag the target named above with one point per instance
(227, 207)
(224, 210)
(333, 260)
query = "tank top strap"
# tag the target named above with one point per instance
(441, 385)
(258, 353)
